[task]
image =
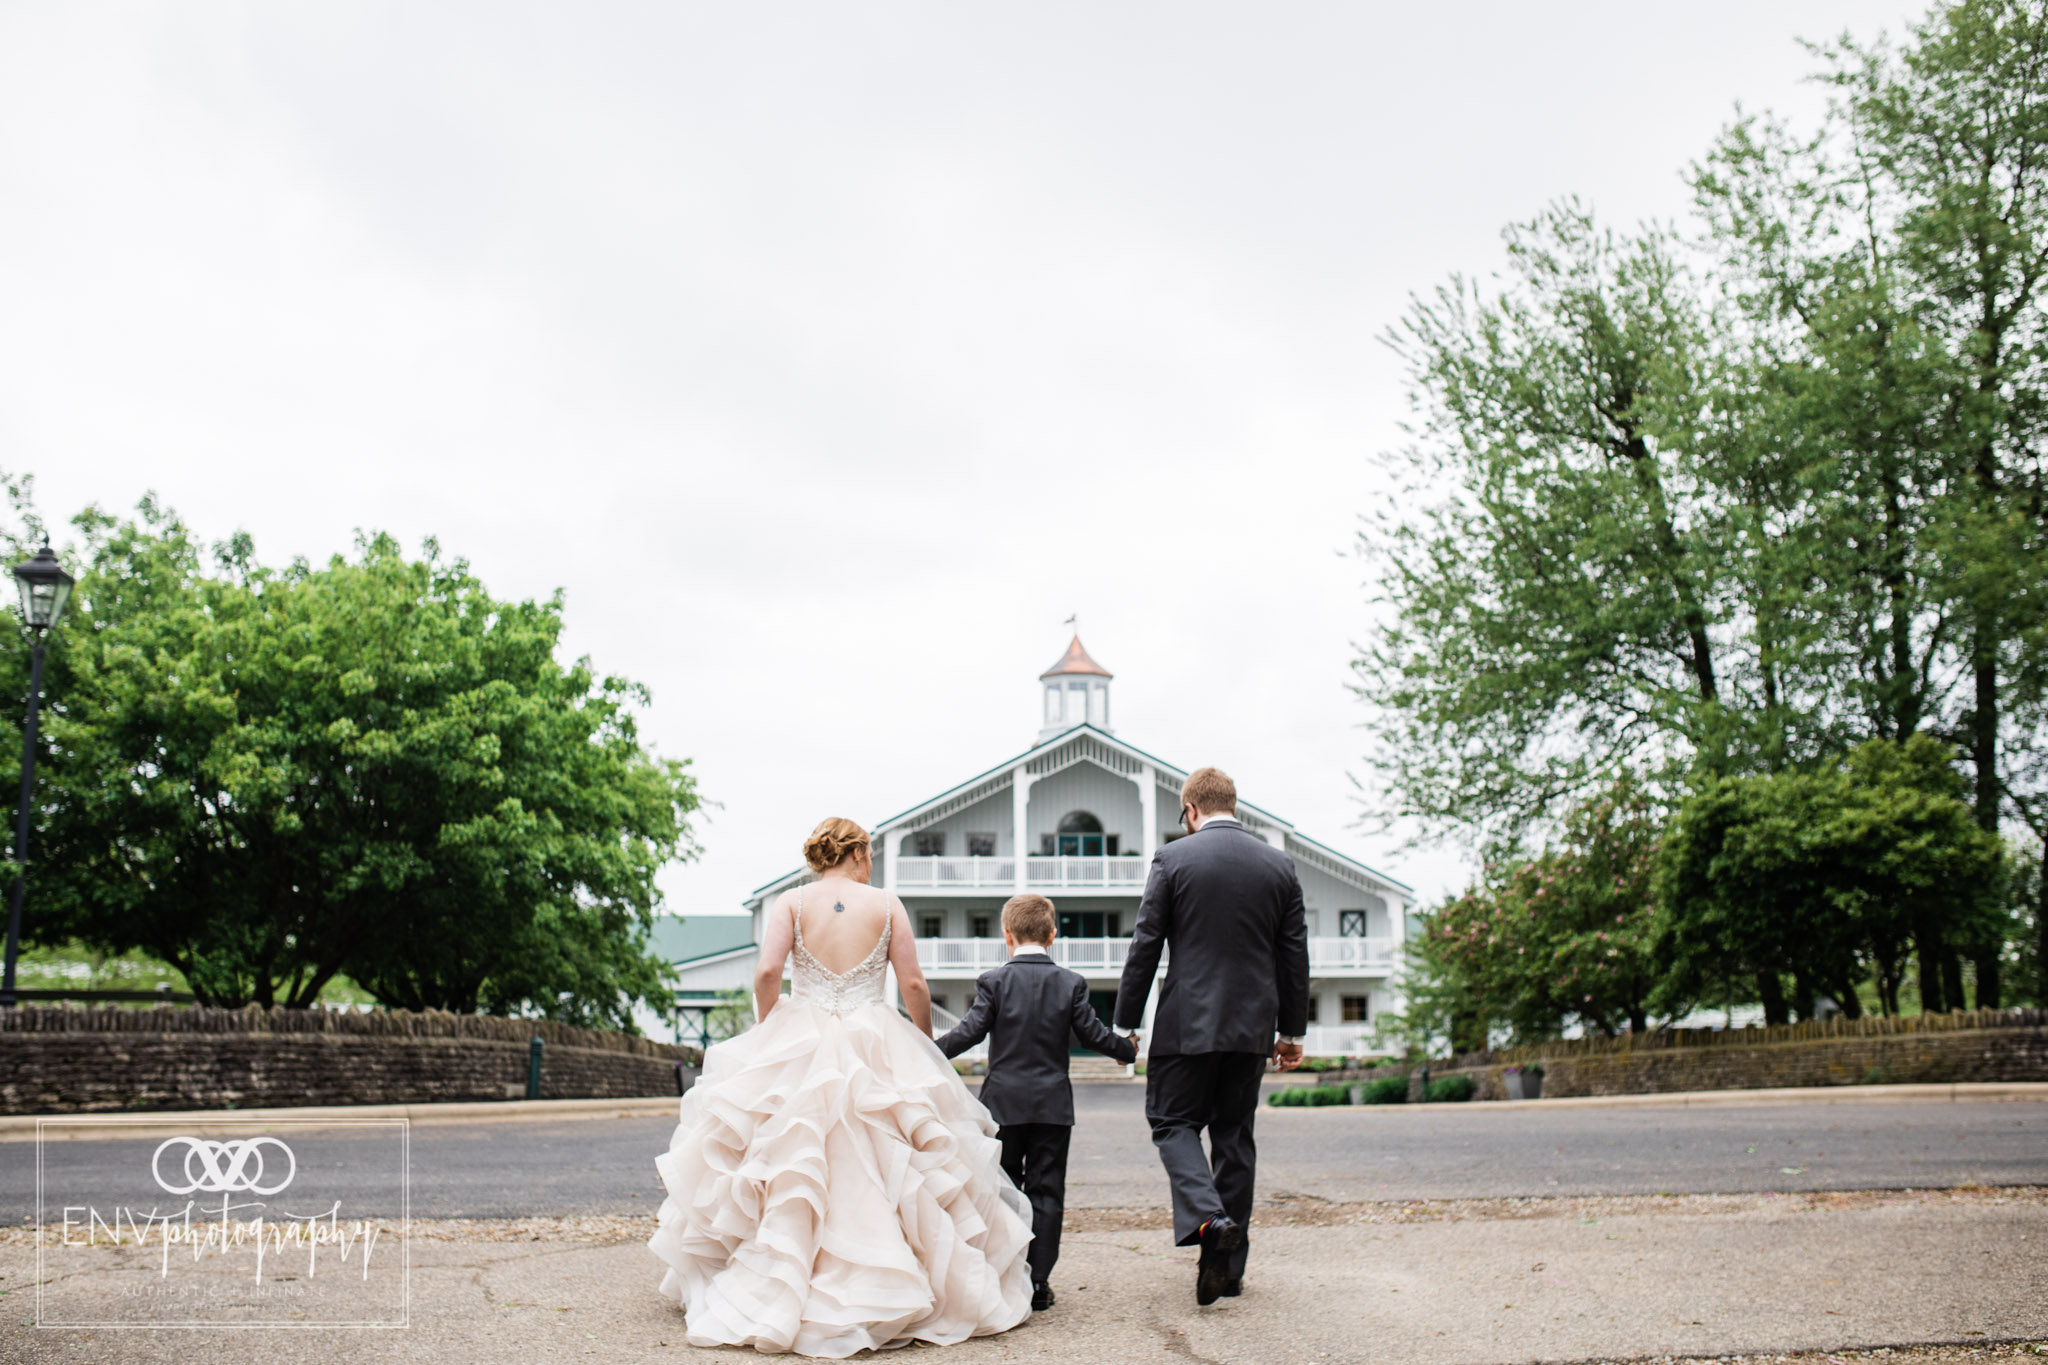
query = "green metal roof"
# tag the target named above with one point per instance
(681, 940)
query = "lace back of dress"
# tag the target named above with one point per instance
(815, 983)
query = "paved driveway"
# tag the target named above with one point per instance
(1340, 1155)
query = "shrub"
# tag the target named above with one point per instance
(1450, 1089)
(1300, 1096)
(1386, 1090)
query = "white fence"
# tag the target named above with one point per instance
(1338, 1040)
(972, 956)
(1365, 956)
(1000, 874)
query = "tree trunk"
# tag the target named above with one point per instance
(1927, 946)
(1887, 985)
(1772, 992)
(2041, 929)
(1984, 722)
(1952, 978)
(1691, 614)
(1846, 996)
(1802, 996)
(1986, 961)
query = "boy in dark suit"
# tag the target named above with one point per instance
(1027, 1008)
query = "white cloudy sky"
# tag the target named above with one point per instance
(828, 355)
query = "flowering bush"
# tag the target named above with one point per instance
(1545, 942)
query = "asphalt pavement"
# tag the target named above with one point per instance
(1339, 1155)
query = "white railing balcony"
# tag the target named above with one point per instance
(949, 874)
(1339, 1040)
(1361, 956)
(973, 956)
(1071, 871)
(1000, 874)
(960, 956)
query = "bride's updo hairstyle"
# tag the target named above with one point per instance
(832, 843)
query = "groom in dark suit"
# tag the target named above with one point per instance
(1028, 1009)
(1229, 906)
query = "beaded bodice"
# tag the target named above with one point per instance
(815, 983)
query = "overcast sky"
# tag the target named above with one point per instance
(828, 355)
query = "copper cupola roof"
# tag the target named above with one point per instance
(1076, 660)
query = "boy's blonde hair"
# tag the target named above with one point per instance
(1029, 919)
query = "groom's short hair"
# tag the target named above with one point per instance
(1210, 791)
(1028, 919)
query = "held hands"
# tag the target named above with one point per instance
(1286, 1056)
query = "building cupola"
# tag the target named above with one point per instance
(1076, 691)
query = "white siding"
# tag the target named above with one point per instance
(1109, 797)
(989, 816)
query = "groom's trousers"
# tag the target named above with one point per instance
(1217, 1091)
(1035, 1159)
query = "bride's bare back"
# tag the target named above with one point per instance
(842, 920)
(843, 923)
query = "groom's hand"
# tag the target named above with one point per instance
(1286, 1056)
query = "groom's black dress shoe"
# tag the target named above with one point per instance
(1220, 1237)
(1041, 1297)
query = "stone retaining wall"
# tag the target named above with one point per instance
(65, 1060)
(1982, 1045)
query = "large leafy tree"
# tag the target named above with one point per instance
(1891, 267)
(269, 777)
(1825, 876)
(1696, 522)
(1587, 569)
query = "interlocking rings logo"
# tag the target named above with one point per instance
(223, 1167)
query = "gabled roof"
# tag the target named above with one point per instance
(680, 941)
(1076, 660)
(1105, 750)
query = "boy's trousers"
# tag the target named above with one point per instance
(1035, 1158)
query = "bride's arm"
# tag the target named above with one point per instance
(917, 996)
(777, 938)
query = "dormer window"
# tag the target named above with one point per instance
(931, 843)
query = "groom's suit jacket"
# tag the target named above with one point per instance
(1229, 905)
(1027, 1008)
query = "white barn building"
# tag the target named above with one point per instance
(1077, 817)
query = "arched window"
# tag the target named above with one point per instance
(1080, 836)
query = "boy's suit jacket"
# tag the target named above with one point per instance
(1027, 1008)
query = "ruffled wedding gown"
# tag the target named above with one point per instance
(834, 1186)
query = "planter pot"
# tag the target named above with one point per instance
(1358, 1094)
(1523, 1086)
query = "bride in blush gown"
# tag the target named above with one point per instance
(833, 1186)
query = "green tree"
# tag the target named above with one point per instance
(1891, 266)
(269, 777)
(1544, 943)
(1701, 522)
(1825, 875)
(1587, 567)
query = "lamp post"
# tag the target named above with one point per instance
(45, 588)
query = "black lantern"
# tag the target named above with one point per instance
(45, 588)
